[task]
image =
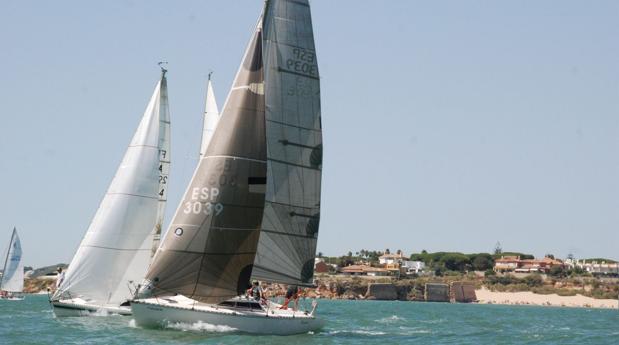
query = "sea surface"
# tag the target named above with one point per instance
(348, 322)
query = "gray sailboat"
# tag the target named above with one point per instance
(252, 208)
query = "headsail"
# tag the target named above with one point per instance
(289, 232)
(209, 248)
(211, 117)
(13, 271)
(116, 248)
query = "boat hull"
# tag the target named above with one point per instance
(73, 309)
(149, 314)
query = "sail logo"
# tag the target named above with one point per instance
(203, 202)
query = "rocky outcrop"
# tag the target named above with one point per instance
(437, 292)
(463, 292)
(381, 291)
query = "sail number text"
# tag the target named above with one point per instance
(203, 202)
(302, 61)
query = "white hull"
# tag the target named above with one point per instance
(79, 307)
(162, 312)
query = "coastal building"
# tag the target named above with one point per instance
(387, 259)
(595, 267)
(321, 267)
(413, 267)
(515, 264)
(364, 270)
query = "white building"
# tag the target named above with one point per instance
(595, 267)
(387, 259)
(413, 266)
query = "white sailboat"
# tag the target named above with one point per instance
(118, 246)
(12, 283)
(252, 208)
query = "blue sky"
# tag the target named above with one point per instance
(448, 125)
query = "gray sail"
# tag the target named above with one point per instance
(209, 249)
(287, 245)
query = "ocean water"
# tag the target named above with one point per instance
(349, 322)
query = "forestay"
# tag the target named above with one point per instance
(13, 271)
(115, 252)
(289, 233)
(209, 248)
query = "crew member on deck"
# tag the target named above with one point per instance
(59, 277)
(255, 291)
(292, 293)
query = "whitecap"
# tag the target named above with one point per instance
(390, 319)
(200, 327)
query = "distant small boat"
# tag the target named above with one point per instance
(124, 233)
(252, 208)
(12, 283)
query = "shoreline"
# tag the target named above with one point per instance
(486, 296)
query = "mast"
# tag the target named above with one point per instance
(6, 259)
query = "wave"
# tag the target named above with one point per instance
(357, 332)
(391, 319)
(200, 327)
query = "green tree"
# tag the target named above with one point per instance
(455, 261)
(557, 271)
(482, 262)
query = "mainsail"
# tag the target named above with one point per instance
(164, 160)
(287, 246)
(209, 248)
(115, 252)
(252, 208)
(211, 117)
(13, 271)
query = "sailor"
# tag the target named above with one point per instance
(59, 277)
(255, 291)
(292, 293)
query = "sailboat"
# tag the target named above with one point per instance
(252, 208)
(118, 246)
(12, 283)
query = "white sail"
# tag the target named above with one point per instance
(13, 272)
(164, 162)
(211, 117)
(115, 251)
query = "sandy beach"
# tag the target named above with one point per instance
(486, 296)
